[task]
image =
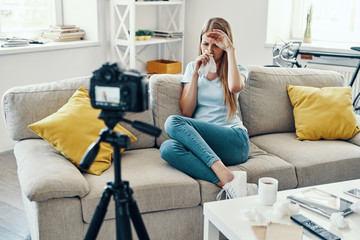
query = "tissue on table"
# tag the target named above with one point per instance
(338, 220)
(209, 67)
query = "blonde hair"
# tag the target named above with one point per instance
(229, 97)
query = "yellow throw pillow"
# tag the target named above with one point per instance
(325, 113)
(74, 127)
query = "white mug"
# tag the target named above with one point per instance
(268, 188)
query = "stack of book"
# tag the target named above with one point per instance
(63, 33)
(167, 34)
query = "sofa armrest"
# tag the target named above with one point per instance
(45, 174)
(356, 139)
(28, 104)
(165, 93)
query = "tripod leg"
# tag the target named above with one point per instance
(123, 228)
(136, 218)
(99, 215)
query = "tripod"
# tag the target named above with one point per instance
(125, 204)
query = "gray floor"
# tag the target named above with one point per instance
(13, 225)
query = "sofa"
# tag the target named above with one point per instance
(59, 199)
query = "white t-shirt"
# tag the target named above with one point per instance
(210, 99)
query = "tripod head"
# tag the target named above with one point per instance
(111, 118)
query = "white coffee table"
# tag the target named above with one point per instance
(227, 216)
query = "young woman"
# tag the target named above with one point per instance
(210, 135)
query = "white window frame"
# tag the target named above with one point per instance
(59, 14)
(299, 10)
(298, 20)
(57, 7)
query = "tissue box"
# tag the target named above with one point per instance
(163, 66)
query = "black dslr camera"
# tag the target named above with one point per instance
(117, 89)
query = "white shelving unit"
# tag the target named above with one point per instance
(126, 20)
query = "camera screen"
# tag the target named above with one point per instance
(107, 96)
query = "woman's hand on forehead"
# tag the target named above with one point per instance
(220, 39)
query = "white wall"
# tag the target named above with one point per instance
(248, 20)
(84, 13)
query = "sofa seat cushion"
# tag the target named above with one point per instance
(260, 164)
(45, 174)
(157, 186)
(316, 162)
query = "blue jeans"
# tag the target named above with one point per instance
(195, 145)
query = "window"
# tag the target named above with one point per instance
(332, 20)
(26, 18)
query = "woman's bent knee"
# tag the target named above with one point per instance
(171, 123)
(166, 149)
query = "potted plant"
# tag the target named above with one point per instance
(148, 34)
(139, 35)
(307, 34)
(143, 34)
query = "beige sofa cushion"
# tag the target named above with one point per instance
(165, 91)
(316, 162)
(260, 164)
(25, 105)
(45, 174)
(264, 102)
(157, 185)
(143, 140)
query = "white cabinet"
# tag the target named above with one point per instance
(128, 16)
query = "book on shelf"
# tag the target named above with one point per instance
(168, 34)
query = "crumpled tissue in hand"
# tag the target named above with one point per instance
(209, 67)
(337, 220)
